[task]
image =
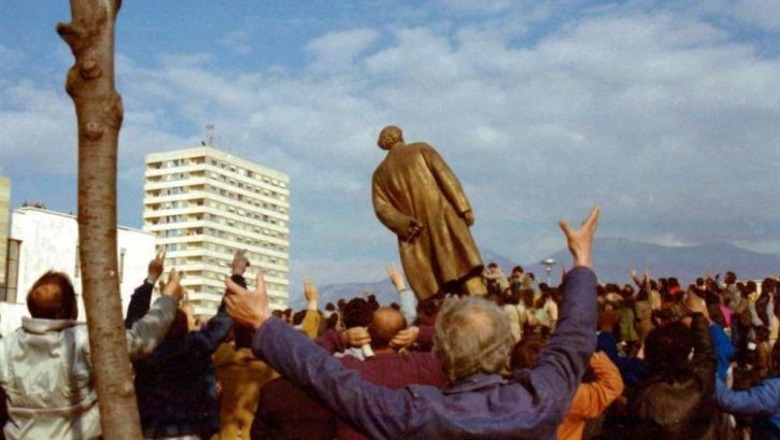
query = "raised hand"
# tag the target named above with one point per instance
(173, 286)
(415, 228)
(405, 338)
(156, 267)
(248, 308)
(356, 336)
(311, 293)
(240, 263)
(580, 241)
(396, 277)
(468, 216)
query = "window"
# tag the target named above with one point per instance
(122, 253)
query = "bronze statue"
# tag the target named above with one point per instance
(418, 197)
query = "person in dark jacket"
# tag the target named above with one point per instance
(675, 400)
(176, 386)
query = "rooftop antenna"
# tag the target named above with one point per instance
(210, 134)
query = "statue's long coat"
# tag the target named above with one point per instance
(413, 182)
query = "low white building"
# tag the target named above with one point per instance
(42, 240)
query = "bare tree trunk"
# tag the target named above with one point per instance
(90, 82)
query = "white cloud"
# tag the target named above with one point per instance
(656, 114)
(11, 58)
(761, 13)
(337, 50)
(238, 41)
(39, 129)
(479, 6)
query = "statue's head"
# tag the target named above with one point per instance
(390, 136)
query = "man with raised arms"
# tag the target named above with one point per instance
(472, 341)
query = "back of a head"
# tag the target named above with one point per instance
(428, 308)
(357, 313)
(297, 318)
(180, 325)
(768, 286)
(332, 321)
(472, 336)
(667, 347)
(389, 136)
(514, 298)
(386, 323)
(607, 320)
(526, 351)
(52, 297)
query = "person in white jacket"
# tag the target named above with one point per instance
(45, 365)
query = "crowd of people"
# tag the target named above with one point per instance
(526, 360)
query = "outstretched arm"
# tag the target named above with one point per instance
(757, 401)
(149, 331)
(562, 362)
(406, 297)
(580, 242)
(448, 183)
(402, 225)
(311, 321)
(142, 296)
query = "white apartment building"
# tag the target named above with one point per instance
(202, 205)
(42, 240)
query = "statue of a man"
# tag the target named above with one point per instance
(418, 197)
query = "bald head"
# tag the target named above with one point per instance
(389, 136)
(386, 323)
(52, 297)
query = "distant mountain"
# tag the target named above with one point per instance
(613, 258)
(503, 262)
(383, 290)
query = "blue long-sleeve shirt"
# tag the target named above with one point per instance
(530, 404)
(724, 349)
(762, 401)
(632, 370)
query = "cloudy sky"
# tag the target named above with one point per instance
(664, 112)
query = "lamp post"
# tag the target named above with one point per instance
(548, 264)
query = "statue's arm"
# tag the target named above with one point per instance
(401, 224)
(447, 181)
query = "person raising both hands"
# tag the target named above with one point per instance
(473, 343)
